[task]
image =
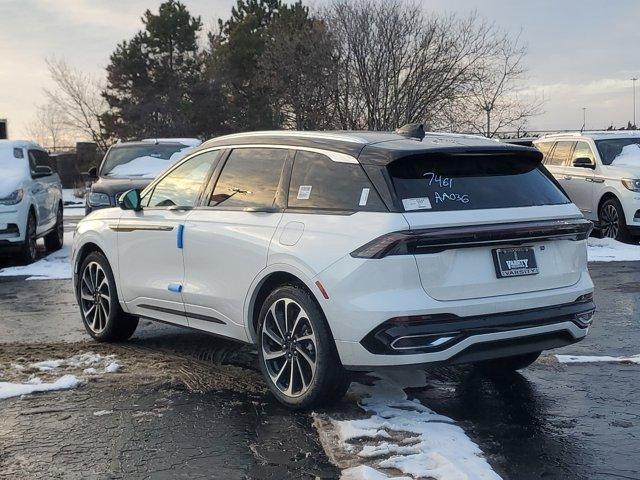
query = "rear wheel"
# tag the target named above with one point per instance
(612, 221)
(29, 249)
(102, 316)
(54, 240)
(298, 357)
(507, 364)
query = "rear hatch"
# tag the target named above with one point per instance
(488, 223)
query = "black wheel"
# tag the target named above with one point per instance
(54, 240)
(29, 249)
(612, 221)
(101, 313)
(507, 364)
(297, 353)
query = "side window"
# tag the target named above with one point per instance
(182, 186)
(545, 148)
(560, 156)
(38, 158)
(583, 150)
(250, 178)
(320, 183)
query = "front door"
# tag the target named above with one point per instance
(227, 241)
(150, 242)
(579, 183)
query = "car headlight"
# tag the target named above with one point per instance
(631, 184)
(99, 200)
(13, 199)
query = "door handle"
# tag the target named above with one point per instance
(179, 208)
(567, 177)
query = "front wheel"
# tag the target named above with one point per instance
(612, 221)
(297, 353)
(102, 316)
(507, 365)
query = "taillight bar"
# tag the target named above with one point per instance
(439, 239)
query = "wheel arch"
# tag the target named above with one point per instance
(606, 196)
(265, 283)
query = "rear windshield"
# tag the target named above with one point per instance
(471, 183)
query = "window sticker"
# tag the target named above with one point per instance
(304, 192)
(421, 203)
(364, 196)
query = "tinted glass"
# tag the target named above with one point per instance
(560, 155)
(583, 150)
(611, 148)
(320, 183)
(182, 186)
(38, 158)
(545, 148)
(469, 183)
(249, 178)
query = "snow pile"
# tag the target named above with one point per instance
(34, 385)
(610, 250)
(55, 266)
(73, 206)
(629, 156)
(190, 142)
(597, 359)
(91, 362)
(147, 166)
(406, 436)
(101, 413)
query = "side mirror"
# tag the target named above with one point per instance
(130, 200)
(583, 162)
(42, 171)
(92, 173)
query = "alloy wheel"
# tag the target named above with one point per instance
(609, 221)
(95, 297)
(60, 226)
(289, 348)
(32, 238)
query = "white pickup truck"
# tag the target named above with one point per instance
(30, 200)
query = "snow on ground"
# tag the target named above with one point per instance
(95, 362)
(403, 435)
(66, 382)
(73, 206)
(56, 265)
(610, 250)
(597, 359)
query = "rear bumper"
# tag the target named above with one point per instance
(455, 340)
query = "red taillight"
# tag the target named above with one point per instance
(382, 246)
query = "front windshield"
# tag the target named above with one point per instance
(621, 150)
(142, 161)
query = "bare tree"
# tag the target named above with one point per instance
(47, 127)
(77, 98)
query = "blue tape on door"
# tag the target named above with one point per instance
(175, 287)
(180, 238)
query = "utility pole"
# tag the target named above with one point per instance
(634, 100)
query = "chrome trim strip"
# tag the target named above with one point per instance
(132, 227)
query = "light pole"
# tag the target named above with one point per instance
(634, 100)
(584, 119)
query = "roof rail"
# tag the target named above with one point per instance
(293, 133)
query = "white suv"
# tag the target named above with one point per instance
(600, 171)
(30, 200)
(345, 251)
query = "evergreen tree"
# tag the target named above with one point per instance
(155, 79)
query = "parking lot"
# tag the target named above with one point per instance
(184, 404)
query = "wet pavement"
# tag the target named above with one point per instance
(192, 405)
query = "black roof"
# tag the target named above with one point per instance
(377, 148)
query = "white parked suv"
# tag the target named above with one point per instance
(30, 200)
(600, 171)
(345, 251)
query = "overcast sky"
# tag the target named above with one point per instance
(581, 53)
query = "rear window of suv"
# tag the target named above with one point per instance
(472, 182)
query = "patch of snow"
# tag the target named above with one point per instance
(190, 142)
(432, 446)
(629, 156)
(54, 266)
(597, 359)
(113, 367)
(147, 166)
(610, 250)
(66, 382)
(78, 361)
(15, 172)
(90, 371)
(101, 413)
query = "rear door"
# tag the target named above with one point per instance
(558, 161)
(440, 194)
(578, 181)
(227, 239)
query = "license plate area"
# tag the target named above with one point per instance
(515, 262)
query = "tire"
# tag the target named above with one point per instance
(102, 316)
(612, 221)
(507, 365)
(29, 249)
(293, 334)
(54, 240)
